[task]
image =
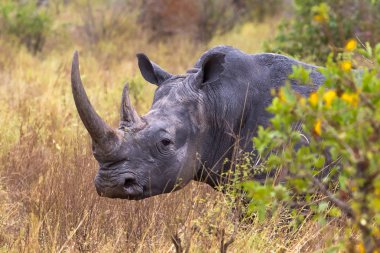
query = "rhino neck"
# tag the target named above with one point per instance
(233, 113)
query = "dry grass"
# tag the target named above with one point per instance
(47, 199)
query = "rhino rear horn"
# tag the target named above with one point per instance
(128, 114)
(105, 139)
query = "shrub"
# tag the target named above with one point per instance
(339, 159)
(169, 17)
(201, 19)
(258, 10)
(103, 21)
(25, 21)
(321, 26)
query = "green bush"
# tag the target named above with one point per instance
(336, 170)
(321, 26)
(25, 21)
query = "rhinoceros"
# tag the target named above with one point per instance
(195, 121)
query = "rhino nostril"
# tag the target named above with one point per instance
(128, 182)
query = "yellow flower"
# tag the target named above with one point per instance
(318, 18)
(313, 99)
(328, 97)
(376, 232)
(351, 45)
(281, 95)
(321, 13)
(360, 248)
(351, 98)
(317, 127)
(346, 65)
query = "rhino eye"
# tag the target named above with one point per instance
(164, 146)
(166, 142)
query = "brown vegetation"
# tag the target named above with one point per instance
(47, 198)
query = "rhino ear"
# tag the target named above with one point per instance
(211, 67)
(151, 71)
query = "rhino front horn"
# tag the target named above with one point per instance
(128, 115)
(105, 139)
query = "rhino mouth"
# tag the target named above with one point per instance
(132, 189)
(126, 187)
(136, 194)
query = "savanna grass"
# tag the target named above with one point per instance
(47, 198)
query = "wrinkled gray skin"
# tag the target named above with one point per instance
(192, 125)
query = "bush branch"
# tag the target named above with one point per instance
(339, 203)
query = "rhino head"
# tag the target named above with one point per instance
(151, 154)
